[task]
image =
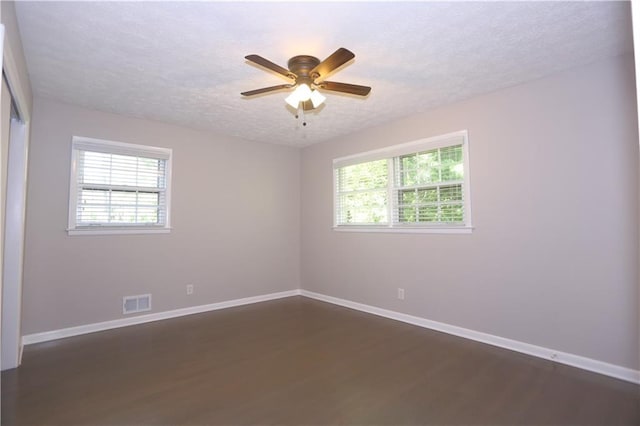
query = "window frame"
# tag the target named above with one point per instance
(389, 154)
(80, 143)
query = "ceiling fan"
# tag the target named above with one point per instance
(307, 73)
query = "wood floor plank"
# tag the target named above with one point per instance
(299, 361)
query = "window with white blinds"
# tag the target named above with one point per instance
(362, 193)
(420, 186)
(118, 188)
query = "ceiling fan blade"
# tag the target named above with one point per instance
(267, 89)
(336, 60)
(352, 89)
(259, 60)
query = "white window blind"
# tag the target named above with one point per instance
(362, 193)
(118, 186)
(415, 186)
(429, 187)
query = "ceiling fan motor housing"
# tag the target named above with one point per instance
(301, 66)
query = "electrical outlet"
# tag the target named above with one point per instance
(189, 289)
(400, 293)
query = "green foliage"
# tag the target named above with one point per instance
(438, 165)
(364, 207)
(363, 192)
(433, 202)
(436, 204)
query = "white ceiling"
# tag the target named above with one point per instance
(183, 62)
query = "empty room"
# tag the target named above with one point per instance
(319, 213)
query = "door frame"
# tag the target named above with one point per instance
(14, 227)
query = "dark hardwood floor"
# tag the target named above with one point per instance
(299, 361)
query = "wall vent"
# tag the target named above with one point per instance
(133, 304)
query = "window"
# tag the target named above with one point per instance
(420, 186)
(118, 188)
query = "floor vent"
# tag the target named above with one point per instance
(133, 304)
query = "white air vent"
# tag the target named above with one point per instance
(133, 304)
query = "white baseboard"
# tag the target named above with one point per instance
(141, 319)
(573, 360)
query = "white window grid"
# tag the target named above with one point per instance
(458, 190)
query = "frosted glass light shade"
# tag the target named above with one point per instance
(292, 100)
(317, 99)
(304, 92)
(301, 94)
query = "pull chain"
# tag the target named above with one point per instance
(300, 114)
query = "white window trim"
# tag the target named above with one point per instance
(406, 229)
(78, 142)
(402, 149)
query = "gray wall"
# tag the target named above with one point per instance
(235, 216)
(554, 190)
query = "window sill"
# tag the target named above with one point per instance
(116, 231)
(407, 229)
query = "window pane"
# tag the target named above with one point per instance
(451, 154)
(429, 195)
(368, 175)
(93, 214)
(123, 197)
(452, 213)
(93, 196)
(147, 215)
(445, 174)
(149, 171)
(428, 170)
(123, 170)
(408, 197)
(409, 177)
(362, 193)
(123, 214)
(407, 214)
(428, 159)
(428, 214)
(148, 198)
(438, 165)
(409, 162)
(429, 200)
(363, 207)
(94, 167)
(451, 193)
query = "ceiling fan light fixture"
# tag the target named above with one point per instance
(301, 94)
(317, 98)
(303, 91)
(292, 100)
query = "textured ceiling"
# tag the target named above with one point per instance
(183, 62)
